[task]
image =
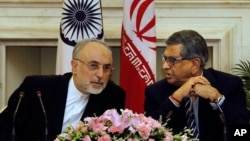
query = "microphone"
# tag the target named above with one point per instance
(39, 95)
(21, 94)
(223, 119)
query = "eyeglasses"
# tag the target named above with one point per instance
(93, 66)
(171, 60)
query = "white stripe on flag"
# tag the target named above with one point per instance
(81, 19)
(138, 51)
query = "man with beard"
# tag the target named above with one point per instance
(208, 101)
(51, 103)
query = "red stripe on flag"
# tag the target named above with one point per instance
(138, 52)
(136, 60)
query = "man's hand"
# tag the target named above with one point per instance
(207, 92)
(184, 90)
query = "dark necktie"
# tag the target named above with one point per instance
(191, 124)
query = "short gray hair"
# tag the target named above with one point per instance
(81, 44)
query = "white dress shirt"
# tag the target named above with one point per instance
(75, 106)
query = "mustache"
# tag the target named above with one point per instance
(96, 80)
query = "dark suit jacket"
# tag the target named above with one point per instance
(30, 119)
(157, 103)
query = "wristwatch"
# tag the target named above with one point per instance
(220, 99)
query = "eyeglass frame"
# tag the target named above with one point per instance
(106, 67)
(174, 59)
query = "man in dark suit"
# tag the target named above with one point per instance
(51, 103)
(217, 99)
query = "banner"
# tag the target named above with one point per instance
(81, 19)
(138, 51)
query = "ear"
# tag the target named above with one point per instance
(74, 66)
(111, 70)
(196, 65)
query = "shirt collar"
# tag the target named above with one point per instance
(74, 93)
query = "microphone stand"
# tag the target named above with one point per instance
(223, 119)
(14, 116)
(39, 95)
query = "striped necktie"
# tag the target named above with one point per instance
(191, 124)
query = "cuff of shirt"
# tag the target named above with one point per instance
(177, 105)
(214, 106)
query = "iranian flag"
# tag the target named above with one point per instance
(138, 51)
(81, 19)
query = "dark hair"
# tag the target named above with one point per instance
(193, 45)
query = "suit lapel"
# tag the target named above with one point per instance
(59, 103)
(89, 108)
(208, 119)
